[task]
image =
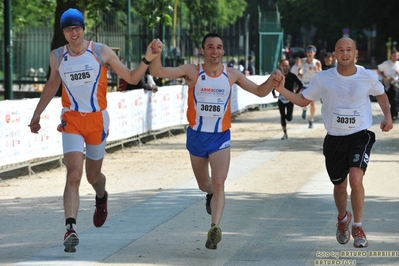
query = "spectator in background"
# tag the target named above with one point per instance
(295, 70)
(175, 51)
(241, 66)
(293, 84)
(251, 66)
(310, 66)
(232, 63)
(328, 61)
(296, 66)
(146, 82)
(389, 71)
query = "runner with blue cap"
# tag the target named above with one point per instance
(81, 67)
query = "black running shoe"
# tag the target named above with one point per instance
(208, 203)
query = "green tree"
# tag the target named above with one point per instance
(330, 17)
(154, 12)
(210, 15)
(30, 12)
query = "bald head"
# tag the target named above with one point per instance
(345, 42)
(346, 54)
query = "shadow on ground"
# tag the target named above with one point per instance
(258, 229)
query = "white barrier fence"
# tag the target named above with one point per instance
(131, 113)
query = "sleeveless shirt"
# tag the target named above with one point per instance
(84, 81)
(209, 105)
(308, 71)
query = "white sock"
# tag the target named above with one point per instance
(344, 219)
(357, 224)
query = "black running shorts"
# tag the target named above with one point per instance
(343, 152)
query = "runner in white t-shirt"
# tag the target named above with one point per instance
(389, 71)
(347, 115)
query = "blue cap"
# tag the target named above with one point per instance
(72, 17)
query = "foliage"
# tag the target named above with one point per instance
(197, 13)
(94, 10)
(219, 12)
(330, 17)
(207, 15)
(30, 12)
(155, 12)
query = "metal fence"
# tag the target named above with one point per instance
(270, 41)
(31, 51)
(32, 45)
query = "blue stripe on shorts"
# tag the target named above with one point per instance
(202, 144)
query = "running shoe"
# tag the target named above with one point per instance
(101, 212)
(214, 237)
(285, 136)
(208, 203)
(303, 114)
(359, 237)
(310, 124)
(71, 240)
(343, 233)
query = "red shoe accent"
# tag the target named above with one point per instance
(100, 213)
(71, 240)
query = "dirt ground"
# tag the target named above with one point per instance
(162, 162)
(136, 173)
(146, 165)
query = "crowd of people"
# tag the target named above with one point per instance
(247, 68)
(80, 67)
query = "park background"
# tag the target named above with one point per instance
(265, 30)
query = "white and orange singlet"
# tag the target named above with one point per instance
(209, 105)
(84, 81)
(84, 90)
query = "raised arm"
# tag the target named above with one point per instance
(157, 70)
(260, 90)
(188, 71)
(132, 76)
(295, 98)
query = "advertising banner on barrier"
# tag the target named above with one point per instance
(131, 113)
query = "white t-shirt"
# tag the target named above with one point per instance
(346, 105)
(295, 69)
(389, 69)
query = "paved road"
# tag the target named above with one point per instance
(279, 211)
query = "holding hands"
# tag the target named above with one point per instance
(153, 49)
(278, 80)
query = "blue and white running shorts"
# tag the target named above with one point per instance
(202, 144)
